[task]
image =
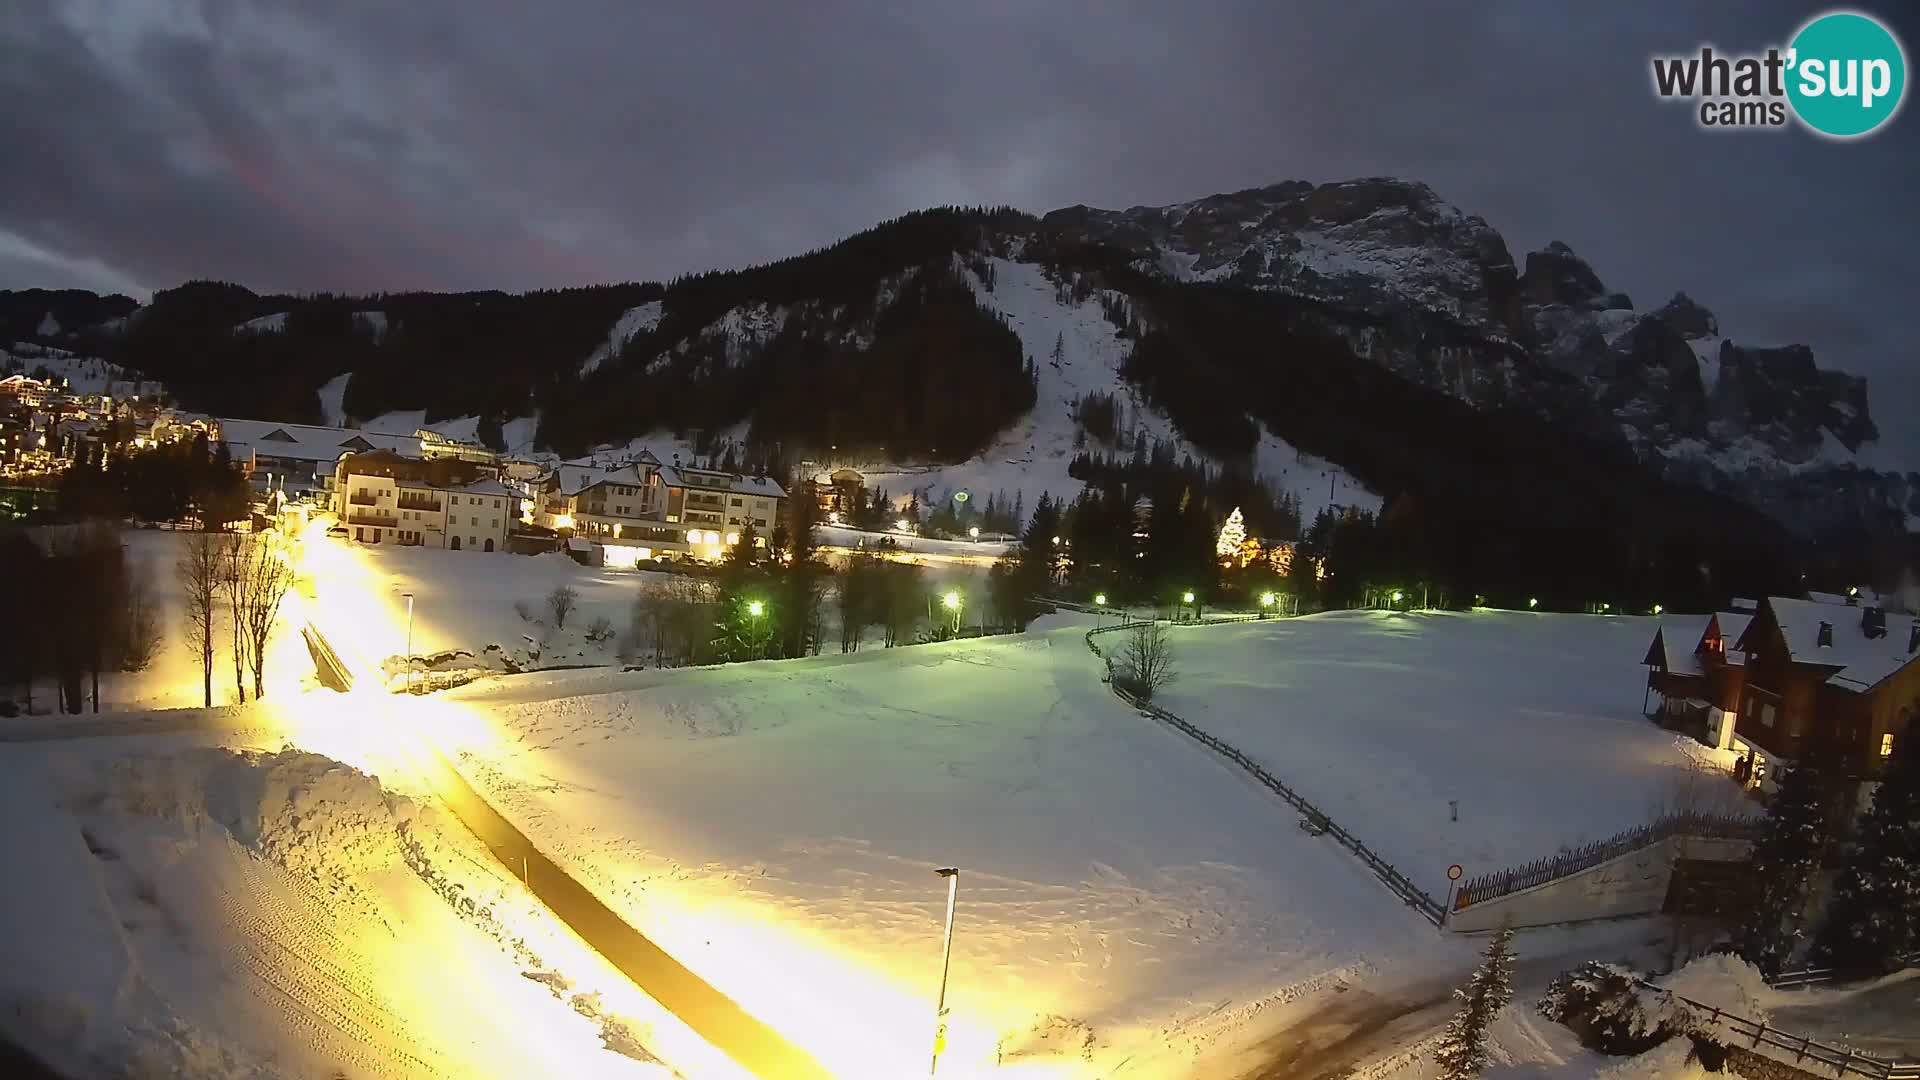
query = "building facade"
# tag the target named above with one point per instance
(384, 498)
(1840, 675)
(644, 510)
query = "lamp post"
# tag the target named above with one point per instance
(952, 874)
(951, 601)
(755, 609)
(1187, 599)
(1266, 604)
(1100, 601)
(409, 597)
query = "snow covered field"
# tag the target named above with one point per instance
(1532, 722)
(1125, 901)
(182, 908)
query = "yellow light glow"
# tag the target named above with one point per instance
(952, 601)
(563, 521)
(1100, 599)
(732, 539)
(1186, 598)
(1266, 599)
(756, 609)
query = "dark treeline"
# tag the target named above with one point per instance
(22, 311)
(77, 610)
(185, 481)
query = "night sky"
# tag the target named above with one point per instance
(360, 146)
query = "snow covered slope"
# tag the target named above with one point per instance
(776, 825)
(633, 321)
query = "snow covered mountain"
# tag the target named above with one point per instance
(873, 341)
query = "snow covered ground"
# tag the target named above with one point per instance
(467, 602)
(1531, 722)
(196, 910)
(1126, 903)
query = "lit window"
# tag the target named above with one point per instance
(1766, 716)
(1886, 745)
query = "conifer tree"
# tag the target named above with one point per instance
(1785, 862)
(1462, 1052)
(1874, 920)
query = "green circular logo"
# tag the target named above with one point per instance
(1846, 74)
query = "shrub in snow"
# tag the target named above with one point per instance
(560, 604)
(1145, 661)
(1462, 1052)
(601, 629)
(524, 610)
(1602, 1006)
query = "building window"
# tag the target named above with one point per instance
(474, 521)
(1886, 745)
(1766, 715)
(736, 500)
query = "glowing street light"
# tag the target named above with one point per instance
(1657, 609)
(952, 601)
(1056, 541)
(974, 532)
(1100, 599)
(1533, 602)
(1267, 600)
(756, 608)
(1187, 597)
(1397, 594)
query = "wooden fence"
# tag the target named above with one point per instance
(1806, 1050)
(1429, 908)
(1563, 864)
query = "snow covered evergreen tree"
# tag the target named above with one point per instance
(1875, 917)
(1462, 1052)
(1785, 862)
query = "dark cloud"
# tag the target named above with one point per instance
(364, 145)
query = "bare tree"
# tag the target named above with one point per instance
(269, 574)
(139, 628)
(560, 604)
(199, 574)
(235, 569)
(1145, 661)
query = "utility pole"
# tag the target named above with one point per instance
(409, 597)
(952, 874)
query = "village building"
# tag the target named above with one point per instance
(383, 497)
(641, 510)
(1840, 673)
(300, 459)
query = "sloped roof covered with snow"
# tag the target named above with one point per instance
(1732, 625)
(1678, 637)
(572, 478)
(713, 480)
(305, 442)
(1861, 662)
(488, 487)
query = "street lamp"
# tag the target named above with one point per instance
(1533, 602)
(1266, 601)
(974, 532)
(952, 874)
(409, 597)
(1397, 594)
(755, 609)
(951, 601)
(1657, 609)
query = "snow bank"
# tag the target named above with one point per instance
(1722, 981)
(310, 814)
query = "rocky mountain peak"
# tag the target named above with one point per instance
(1557, 276)
(1688, 318)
